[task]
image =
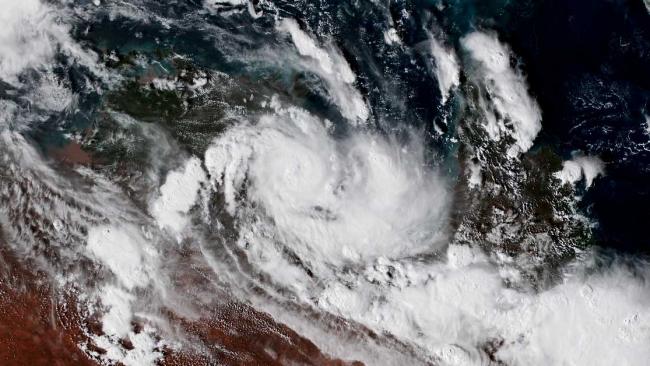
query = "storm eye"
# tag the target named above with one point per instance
(322, 213)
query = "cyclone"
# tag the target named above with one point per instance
(349, 200)
(324, 183)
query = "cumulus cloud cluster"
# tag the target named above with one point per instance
(510, 110)
(33, 34)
